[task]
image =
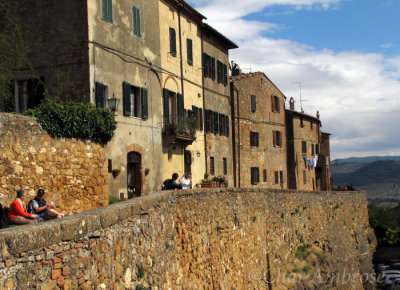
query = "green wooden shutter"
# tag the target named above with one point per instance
(213, 68)
(201, 118)
(172, 41)
(207, 117)
(227, 126)
(179, 99)
(189, 45)
(166, 105)
(136, 21)
(221, 123)
(205, 65)
(215, 122)
(126, 98)
(100, 95)
(143, 93)
(107, 14)
(225, 74)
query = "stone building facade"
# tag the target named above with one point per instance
(258, 132)
(217, 112)
(306, 168)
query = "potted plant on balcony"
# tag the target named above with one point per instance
(116, 172)
(222, 182)
(206, 183)
(170, 128)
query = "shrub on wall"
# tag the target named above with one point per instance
(75, 120)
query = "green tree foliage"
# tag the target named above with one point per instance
(13, 54)
(75, 120)
(386, 224)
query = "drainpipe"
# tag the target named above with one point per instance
(236, 177)
(180, 51)
(204, 102)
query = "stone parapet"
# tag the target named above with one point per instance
(200, 238)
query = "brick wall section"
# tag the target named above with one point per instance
(219, 238)
(72, 172)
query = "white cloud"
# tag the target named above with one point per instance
(356, 93)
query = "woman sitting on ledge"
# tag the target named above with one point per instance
(17, 214)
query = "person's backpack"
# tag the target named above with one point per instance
(29, 207)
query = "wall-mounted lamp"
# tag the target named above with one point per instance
(113, 103)
(197, 153)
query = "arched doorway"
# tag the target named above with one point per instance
(134, 174)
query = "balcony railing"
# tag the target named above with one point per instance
(179, 129)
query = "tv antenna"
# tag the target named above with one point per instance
(301, 101)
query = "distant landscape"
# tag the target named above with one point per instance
(378, 175)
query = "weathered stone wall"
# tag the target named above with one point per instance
(221, 238)
(72, 172)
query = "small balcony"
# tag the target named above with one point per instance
(179, 131)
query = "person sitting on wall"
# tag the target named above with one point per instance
(185, 181)
(17, 214)
(44, 210)
(172, 183)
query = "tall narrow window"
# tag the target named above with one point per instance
(253, 103)
(276, 177)
(219, 72)
(172, 41)
(303, 146)
(225, 75)
(136, 21)
(254, 139)
(212, 168)
(275, 104)
(265, 175)
(135, 101)
(255, 175)
(301, 123)
(277, 138)
(206, 65)
(316, 148)
(107, 10)
(281, 176)
(189, 49)
(225, 165)
(216, 126)
(221, 124)
(101, 94)
(304, 177)
(312, 149)
(212, 67)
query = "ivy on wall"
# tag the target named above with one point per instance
(75, 120)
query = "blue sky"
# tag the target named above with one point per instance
(346, 54)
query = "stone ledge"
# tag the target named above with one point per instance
(23, 239)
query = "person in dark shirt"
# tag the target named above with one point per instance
(172, 183)
(44, 210)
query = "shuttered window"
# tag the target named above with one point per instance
(227, 126)
(212, 66)
(189, 48)
(225, 75)
(107, 11)
(206, 64)
(215, 119)
(225, 165)
(207, 120)
(304, 147)
(312, 149)
(276, 177)
(221, 124)
(219, 72)
(275, 104)
(136, 21)
(201, 118)
(277, 138)
(101, 94)
(254, 139)
(135, 101)
(281, 176)
(253, 103)
(172, 41)
(212, 167)
(255, 175)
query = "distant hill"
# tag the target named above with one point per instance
(380, 178)
(375, 172)
(364, 159)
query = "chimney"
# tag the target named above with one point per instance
(236, 70)
(291, 104)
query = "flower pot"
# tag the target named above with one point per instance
(206, 185)
(116, 173)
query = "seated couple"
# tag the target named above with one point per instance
(38, 209)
